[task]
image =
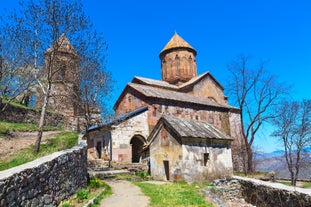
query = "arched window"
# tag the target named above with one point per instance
(62, 72)
(190, 65)
(164, 73)
(177, 65)
(184, 66)
(212, 99)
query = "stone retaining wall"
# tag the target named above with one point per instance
(267, 194)
(45, 181)
(17, 115)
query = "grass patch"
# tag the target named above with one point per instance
(176, 194)
(306, 185)
(302, 184)
(22, 127)
(63, 140)
(284, 182)
(13, 102)
(96, 189)
(253, 175)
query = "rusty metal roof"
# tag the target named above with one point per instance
(193, 128)
(160, 93)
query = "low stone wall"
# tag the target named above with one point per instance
(267, 194)
(17, 115)
(45, 181)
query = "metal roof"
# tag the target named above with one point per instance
(120, 118)
(194, 128)
(160, 93)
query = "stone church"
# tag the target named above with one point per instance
(157, 120)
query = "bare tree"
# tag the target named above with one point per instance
(96, 83)
(293, 128)
(256, 92)
(43, 23)
(16, 75)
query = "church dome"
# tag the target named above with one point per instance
(178, 61)
(176, 42)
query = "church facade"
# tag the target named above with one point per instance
(182, 94)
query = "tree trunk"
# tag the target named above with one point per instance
(41, 122)
(293, 178)
(86, 109)
(249, 153)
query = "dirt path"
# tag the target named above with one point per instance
(124, 194)
(20, 140)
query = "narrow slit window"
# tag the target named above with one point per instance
(205, 158)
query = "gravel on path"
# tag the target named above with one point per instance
(124, 194)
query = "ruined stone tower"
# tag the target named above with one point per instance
(178, 62)
(65, 95)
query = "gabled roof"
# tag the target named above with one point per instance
(148, 81)
(63, 45)
(164, 84)
(198, 78)
(177, 42)
(120, 118)
(189, 128)
(160, 93)
(163, 90)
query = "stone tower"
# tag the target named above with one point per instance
(65, 95)
(178, 61)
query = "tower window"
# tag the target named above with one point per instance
(177, 65)
(62, 71)
(164, 69)
(190, 64)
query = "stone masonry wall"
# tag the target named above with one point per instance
(17, 115)
(266, 194)
(45, 181)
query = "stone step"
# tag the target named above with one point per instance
(108, 173)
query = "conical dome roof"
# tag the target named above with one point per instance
(177, 42)
(63, 45)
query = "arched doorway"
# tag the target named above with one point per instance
(137, 143)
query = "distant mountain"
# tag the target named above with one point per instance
(277, 153)
(275, 161)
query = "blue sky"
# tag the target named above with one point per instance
(275, 31)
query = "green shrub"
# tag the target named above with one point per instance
(142, 175)
(95, 183)
(82, 194)
(96, 201)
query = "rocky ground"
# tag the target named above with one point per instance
(226, 193)
(16, 141)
